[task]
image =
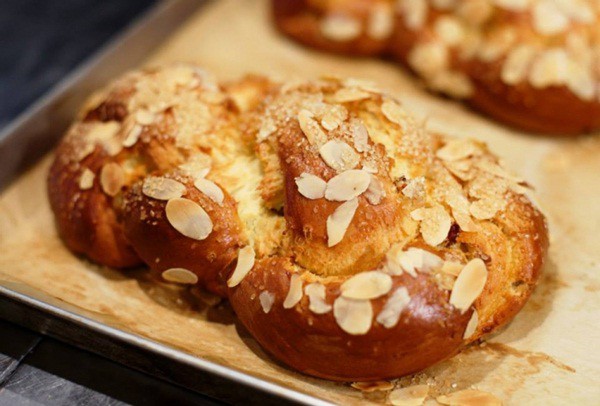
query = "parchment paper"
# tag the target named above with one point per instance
(548, 355)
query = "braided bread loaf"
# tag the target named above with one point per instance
(534, 64)
(351, 242)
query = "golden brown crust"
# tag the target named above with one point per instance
(532, 65)
(353, 243)
(316, 345)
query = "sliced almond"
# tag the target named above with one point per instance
(339, 27)
(86, 180)
(469, 285)
(469, 397)
(369, 387)
(435, 225)
(347, 185)
(450, 30)
(316, 298)
(160, 188)
(409, 396)
(339, 155)
(112, 178)
(334, 116)
(414, 11)
(415, 188)
(381, 21)
(132, 136)
(245, 263)
(311, 129)
(360, 136)
(517, 63)
(353, 316)
(266, 299)
(311, 186)
(188, 218)
(548, 19)
(497, 170)
(180, 275)
(295, 293)
(485, 209)
(197, 166)
(393, 112)
(429, 58)
(350, 94)
(457, 149)
(210, 189)
(366, 285)
(339, 221)
(375, 192)
(471, 325)
(411, 260)
(144, 117)
(390, 314)
(452, 268)
(267, 128)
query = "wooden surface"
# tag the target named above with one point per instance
(36, 370)
(548, 355)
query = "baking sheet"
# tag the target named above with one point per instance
(548, 355)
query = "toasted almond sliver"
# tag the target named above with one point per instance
(350, 94)
(339, 27)
(334, 117)
(366, 285)
(409, 396)
(390, 314)
(360, 136)
(210, 189)
(411, 260)
(469, 397)
(245, 263)
(86, 180)
(347, 185)
(197, 166)
(144, 117)
(393, 112)
(311, 186)
(267, 128)
(353, 316)
(162, 188)
(415, 188)
(435, 225)
(339, 221)
(266, 299)
(132, 136)
(457, 149)
(485, 209)
(471, 325)
(375, 192)
(316, 298)
(339, 155)
(112, 178)
(311, 129)
(295, 293)
(180, 275)
(188, 218)
(381, 22)
(452, 268)
(469, 285)
(369, 387)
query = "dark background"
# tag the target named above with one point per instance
(40, 42)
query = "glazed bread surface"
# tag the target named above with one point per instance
(533, 64)
(352, 243)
